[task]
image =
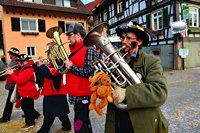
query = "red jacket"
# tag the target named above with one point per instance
(76, 85)
(25, 85)
(49, 87)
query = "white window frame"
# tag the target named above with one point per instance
(29, 20)
(31, 54)
(192, 17)
(119, 6)
(156, 20)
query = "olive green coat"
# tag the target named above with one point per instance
(144, 100)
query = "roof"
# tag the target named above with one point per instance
(92, 5)
(81, 8)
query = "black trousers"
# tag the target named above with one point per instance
(29, 111)
(8, 107)
(82, 122)
(123, 122)
(48, 121)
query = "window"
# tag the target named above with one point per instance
(67, 23)
(35, 1)
(157, 20)
(65, 3)
(156, 52)
(194, 17)
(29, 25)
(31, 51)
(28, 0)
(105, 15)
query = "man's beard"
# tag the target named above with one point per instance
(128, 49)
(133, 44)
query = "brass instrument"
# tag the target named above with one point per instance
(2, 56)
(45, 60)
(3, 73)
(113, 63)
(57, 52)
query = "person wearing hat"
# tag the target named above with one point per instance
(143, 114)
(10, 84)
(77, 78)
(55, 102)
(27, 89)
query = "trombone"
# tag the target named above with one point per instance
(3, 73)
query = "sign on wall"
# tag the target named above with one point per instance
(183, 53)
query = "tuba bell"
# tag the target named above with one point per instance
(57, 52)
(113, 62)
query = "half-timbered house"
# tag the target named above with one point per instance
(177, 51)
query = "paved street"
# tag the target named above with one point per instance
(182, 107)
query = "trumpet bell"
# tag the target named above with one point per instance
(50, 32)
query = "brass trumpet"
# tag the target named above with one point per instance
(3, 73)
(45, 60)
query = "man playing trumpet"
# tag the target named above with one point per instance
(80, 69)
(10, 83)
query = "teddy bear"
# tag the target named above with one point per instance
(102, 91)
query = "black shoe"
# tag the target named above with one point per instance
(37, 116)
(2, 120)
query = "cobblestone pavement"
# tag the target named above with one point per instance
(182, 108)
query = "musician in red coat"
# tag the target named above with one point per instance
(10, 84)
(27, 89)
(55, 100)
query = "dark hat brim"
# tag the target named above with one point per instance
(23, 59)
(10, 52)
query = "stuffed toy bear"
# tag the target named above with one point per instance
(102, 91)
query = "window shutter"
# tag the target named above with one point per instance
(41, 25)
(186, 8)
(62, 25)
(148, 18)
(115, 7)
(124, 5)
(199, 17)
(108, 13)
(15, 22)
(165, 18)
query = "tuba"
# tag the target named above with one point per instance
(113, 62)
(58, 54)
